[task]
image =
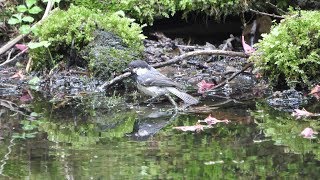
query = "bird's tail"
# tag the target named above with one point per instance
(188, 99)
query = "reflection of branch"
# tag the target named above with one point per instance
(6, 156)
(176, 60)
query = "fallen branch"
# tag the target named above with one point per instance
(176, 60)
(232, 77)
(267, 14)
(228, 42)
(14, 41)
(114, 80)
(201, 52)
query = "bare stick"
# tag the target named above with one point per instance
(267, 14)
(274, 6)
(14, 41)
(201, 52)
(114, 80)
(228, 42)
(14, 58)
(176, 60)
(232, 77)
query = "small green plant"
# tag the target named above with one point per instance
(23, 17)
(75, 28)
(291, 50)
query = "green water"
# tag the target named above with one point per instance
(263, 144)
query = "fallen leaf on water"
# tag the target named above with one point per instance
(203, 86)
(212, 120)
(308, 133)
(302, 113)
(316, 92)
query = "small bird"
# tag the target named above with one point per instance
(151, 82)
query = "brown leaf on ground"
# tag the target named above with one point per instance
(212, 120)
(18, 75)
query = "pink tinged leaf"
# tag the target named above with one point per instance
(212, 120)
(19, 75)
(203, 86)
(26, 96)
(302, 113)
(246, 47)
(316, 92)
(21, 47)
(308, 133)
(197, 128)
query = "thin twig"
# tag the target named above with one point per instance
(176, 60)
(14, 58)
(267, 14)
(228, 42)
(201, 52)
(232, 77)
(274, 6)
(9, 55)
(114, 80)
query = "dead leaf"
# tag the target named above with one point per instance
(26, 96)
(19, 75)
(302, 113)
(21, 47)
(203, 86)
(316, 92)
(308, 133)
(212, 120)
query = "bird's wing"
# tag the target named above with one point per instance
(156, 79)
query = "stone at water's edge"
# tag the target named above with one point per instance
(108, 55)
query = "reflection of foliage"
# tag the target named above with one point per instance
(29, 129)
(292, 50)
(285, 130)
(83, 135)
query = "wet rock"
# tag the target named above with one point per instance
(287, 100)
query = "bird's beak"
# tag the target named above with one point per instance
(127, 70)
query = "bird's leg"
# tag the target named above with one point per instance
(172, 102)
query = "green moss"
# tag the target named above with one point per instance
(291, 50)
(147, 11)
(77, 25)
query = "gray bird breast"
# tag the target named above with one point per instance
(153, 91)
